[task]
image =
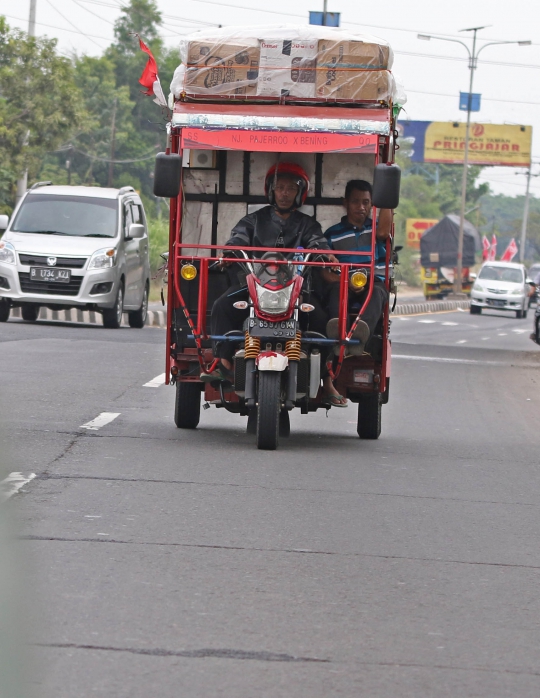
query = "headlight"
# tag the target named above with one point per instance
(7, 253)
(517, 292)
(103, 259)
(478, 287)
(274, 302)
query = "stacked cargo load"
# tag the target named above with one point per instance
(292, 64)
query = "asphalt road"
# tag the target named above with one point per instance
(159, 562)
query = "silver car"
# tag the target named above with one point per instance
(501, 286)
(76, 247)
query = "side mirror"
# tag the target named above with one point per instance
(386, 183)
(4, 222)
(167, 173)
(136, 230)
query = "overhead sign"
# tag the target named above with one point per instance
(415, 228)
(278, 141)
(469, 101)
(489, 144)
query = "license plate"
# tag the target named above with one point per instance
(365, 377)
(265, 328)
(61, 276)
(496, 302)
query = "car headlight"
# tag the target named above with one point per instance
(102, 259)
(478, 287)
(7, 253)
(274, 302)
(517, 292)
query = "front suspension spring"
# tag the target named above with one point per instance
(293, 347)
(252, 347)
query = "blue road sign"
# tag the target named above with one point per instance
(332, 19)
(464, 101)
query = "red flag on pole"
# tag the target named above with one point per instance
(150, 78)
(485, 248)
(493, 249)
(510, 252)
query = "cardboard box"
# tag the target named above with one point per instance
(353, 54)
(287, 68)
(357, 85)
(215, 68)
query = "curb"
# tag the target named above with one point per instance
(430, 307)
(156, 318)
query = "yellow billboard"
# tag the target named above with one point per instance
(415, 228)
(489, 144)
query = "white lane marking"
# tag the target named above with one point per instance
(12, 484)
(400, 317)
(520, 331)
(461, 341)
(427, 322)
(484, 338)
(156, 382)
(450, 324)
(100, 421)
(448, 360)
(503, 334)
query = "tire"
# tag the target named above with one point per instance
(476, 310)
(284, 423)
(137, 318)
(524, 313)
(30, 313)
(268, 410)
(112, 317)
(537, 330)
(369, 416)
(519, 314)
(5, 310)
(187, 405)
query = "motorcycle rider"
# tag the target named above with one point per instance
(279, 224)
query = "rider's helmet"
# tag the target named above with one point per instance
(295, 172)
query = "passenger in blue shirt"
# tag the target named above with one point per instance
(354, 233)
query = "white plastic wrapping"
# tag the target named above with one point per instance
(296, 62)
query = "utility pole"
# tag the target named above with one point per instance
(22, 182)
(473, 62)
(111, 157)
(525, 218)
(324, 12)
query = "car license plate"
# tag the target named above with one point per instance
(265, 328)
(61, 276)
(496, 302)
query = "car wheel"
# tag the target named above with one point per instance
(5, 309)
(524, 313)
(30, 313)
(137, 318)
(112, 317)
(476, 310)
(519, 314)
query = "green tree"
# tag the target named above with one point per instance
(40, 105)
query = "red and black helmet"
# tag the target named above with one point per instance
(295, 172)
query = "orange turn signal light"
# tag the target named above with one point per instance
(306, 307)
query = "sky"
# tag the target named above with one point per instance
(433, 72)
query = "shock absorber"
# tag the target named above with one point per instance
(252, 348)
(292, 349)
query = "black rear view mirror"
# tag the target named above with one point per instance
(386, 184)
(167, 173)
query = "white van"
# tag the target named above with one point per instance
(76, 247)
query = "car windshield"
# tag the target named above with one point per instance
(79, 216)
(512, 275)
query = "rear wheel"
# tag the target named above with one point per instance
(30, 313)
(268, 410)
(112, 317)
(369, 416)
(137, 318)
(187, 405)
(476, 310)
(5, 309)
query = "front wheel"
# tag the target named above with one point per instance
(520, 314)
(5, 309)
(476, 310)
(369, 416)
(30, 313)
(112, 317)
(187, 405)
(269, 410)
(137, 318)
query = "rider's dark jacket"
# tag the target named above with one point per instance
(265, 228)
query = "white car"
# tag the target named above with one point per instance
(501, 286)
(76, 247)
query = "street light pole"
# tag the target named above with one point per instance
(473, 62)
